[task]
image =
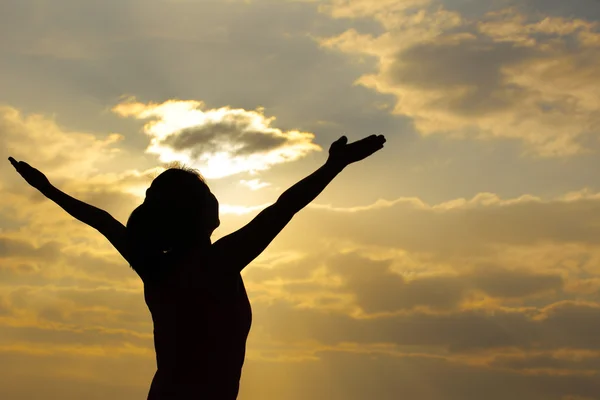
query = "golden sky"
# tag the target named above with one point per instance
(462, 262)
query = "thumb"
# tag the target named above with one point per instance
(340, 142)
(13, 162)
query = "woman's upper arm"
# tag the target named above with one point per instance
(239, 248)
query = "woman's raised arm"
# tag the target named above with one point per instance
(238, 249)
(95, 217)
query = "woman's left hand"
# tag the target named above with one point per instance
(32, 175)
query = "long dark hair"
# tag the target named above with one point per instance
(178, 213)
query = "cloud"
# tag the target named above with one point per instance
(561, 325)
(348, 282)
(560, 361)
(221, 142)
(366, 8)
(39, 140)
(481, 226)
(255, 184)
(505, 75)
(377, 288)
(18, 248)
(505, 283)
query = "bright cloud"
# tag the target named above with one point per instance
(221, 142)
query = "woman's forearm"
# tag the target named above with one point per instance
(302, 193)
(84, 212)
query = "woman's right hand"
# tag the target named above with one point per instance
(342, 153)
(33, 176)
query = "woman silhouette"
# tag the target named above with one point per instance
(193, 287)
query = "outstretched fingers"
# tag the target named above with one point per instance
(374, 141)
(19, 165)
(13, 162)
(377, 141)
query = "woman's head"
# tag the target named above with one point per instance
(179, 212)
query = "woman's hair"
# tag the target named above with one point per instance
(179, 212)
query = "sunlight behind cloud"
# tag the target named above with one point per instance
(239, 210)
(221, 142)
(255, 184)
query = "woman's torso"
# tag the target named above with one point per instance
(202, 318)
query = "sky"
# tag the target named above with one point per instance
(460, 262)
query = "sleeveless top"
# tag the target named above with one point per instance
(202, 317)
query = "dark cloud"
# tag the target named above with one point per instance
(456, 231)
(505, 283)
(461, 331)
(378, 289)
(500, 75)
(49, 251)
(476, 66)
(587, 9)
(567, 362)
(235, 130)
(564, 325)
